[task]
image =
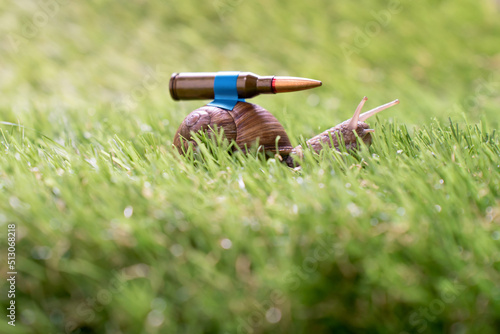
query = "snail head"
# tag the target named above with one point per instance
(357, 124)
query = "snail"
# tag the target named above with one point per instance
(248, 123)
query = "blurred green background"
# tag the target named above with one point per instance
(440, 58)
(116, 235)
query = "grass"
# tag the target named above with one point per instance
(118, 234)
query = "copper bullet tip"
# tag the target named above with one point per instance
(293, 84)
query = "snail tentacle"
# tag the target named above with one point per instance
(353, 123)
(374, 111)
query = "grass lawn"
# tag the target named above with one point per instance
(118, 234)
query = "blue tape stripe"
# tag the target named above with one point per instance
(225, 91)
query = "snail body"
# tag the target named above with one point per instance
(249, 123)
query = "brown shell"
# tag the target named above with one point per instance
(244, 124)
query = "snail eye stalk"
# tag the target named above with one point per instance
(353, 123)
(363, 117)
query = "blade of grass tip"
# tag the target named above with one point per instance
(467, 134)
(6, 144)
(454, 130)
(204, 156)
(406, 140)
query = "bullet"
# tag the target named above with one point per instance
(200, 85)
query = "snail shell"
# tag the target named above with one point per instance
(246, 124)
